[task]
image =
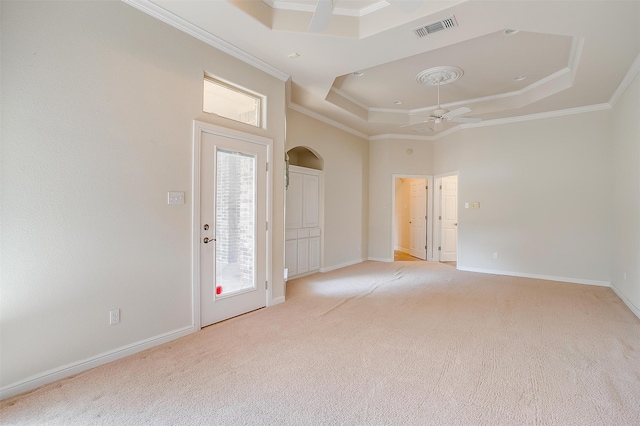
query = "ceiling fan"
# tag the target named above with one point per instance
(440, 114)
(324, 10)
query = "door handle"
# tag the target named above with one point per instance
(455, 224)
(208, 240)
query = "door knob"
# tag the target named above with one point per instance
(207, 240)
(455, 224)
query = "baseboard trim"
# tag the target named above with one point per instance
(58, 373)
(342, 265)
(277, 301)
(626, 300)
(536, 276)
(380, 259)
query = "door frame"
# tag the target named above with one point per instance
(437, 210)
(430, 240)
(200, 127)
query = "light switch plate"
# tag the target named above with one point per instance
(175, 197)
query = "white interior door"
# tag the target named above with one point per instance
(418, 218)
(233, 227)
(449, 222)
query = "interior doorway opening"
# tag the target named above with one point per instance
(411, 218)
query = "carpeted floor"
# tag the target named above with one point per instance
(406, 343)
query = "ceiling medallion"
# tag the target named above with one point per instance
(439, 75)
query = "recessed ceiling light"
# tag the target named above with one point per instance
(293, 55)
(397, 102)
(510, 31)
(519, 78)
(358, 73)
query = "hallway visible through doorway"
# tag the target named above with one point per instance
(399, 256)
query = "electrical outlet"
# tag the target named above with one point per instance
(114, 316)
(495, 255)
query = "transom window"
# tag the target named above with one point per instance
(231, 102)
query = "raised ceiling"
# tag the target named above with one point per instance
(573, 55)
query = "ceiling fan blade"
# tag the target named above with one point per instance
(415, 124)
(466, 120)
(425, 129)
(456, 112)
(322, 16)
(407, 6)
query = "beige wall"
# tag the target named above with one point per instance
(386, 158)
(98, 103)
(345, 176)
(544, 189)
(626, 199)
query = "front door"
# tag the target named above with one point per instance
(233, 227)
(449, 206)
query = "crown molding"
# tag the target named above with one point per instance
(327, 120)
(167, 17)
(626, 81)
(537, 116)
(404, 137)
(349, 98)
(300, 7)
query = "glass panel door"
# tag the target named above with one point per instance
(235, 223)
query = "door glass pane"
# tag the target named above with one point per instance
(235, 222)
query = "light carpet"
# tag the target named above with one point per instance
(405, 343)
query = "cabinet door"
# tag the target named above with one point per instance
(314, 253)
(294, 201)
(291, 257)
(303, 255)
(311, 205)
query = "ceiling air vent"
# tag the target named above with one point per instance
(434, 27)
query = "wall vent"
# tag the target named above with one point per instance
(434, 27)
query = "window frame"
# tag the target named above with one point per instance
(259, 98)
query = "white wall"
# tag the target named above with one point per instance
(345, 186)
(386, 158)
(98, 103)
(544, 189)
(626, 199)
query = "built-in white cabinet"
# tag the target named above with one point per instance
(302, 235)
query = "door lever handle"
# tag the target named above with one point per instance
(207, 240)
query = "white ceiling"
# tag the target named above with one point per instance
(574, 55)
